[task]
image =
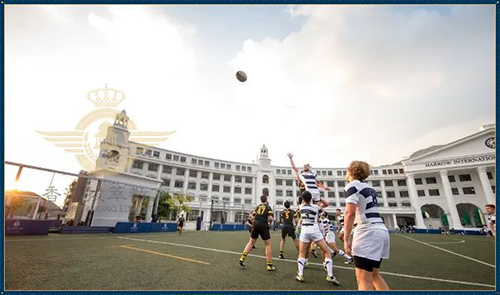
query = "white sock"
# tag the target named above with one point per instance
(301, 262)
(345, 255)
(329, 266)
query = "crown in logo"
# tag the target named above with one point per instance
(106, 97)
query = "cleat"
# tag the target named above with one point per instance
(313, 252)
(242, 263)
(333, 280)
(281, 256)
(253, 247)
(299, 278)
(270, 267)
(350, 261)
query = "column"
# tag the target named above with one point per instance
(395, 220)
(412, 191)
(384, 194)
(455, 219)
(210, 180)
(149, 209)
(157, 201)
(337, 195)
(295, 197)
(488, 192)
(231, 200)
(160, 171)
(186, 178)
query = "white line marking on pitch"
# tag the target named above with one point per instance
(49, 239)
(443, 243)
(448, 251)
(313, 263)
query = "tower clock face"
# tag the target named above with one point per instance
(490, 142)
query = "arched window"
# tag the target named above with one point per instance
(265, 179)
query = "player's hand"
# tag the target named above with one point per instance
(348, 247)
(290, 155)
(327, 188)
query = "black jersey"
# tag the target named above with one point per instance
(287, 216)
(262, 212)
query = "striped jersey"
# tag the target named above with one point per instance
(309, 213)
(492, 218)
(365, 197)
(341, 219)
(326, 226)
(309, 178)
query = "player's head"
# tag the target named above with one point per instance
(325, 214)
(490, 208)
(338, 211)
(307, 167)
(358, 170)
(263, 198)
(306, 197)
(287, 204)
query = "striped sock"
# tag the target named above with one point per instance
(301, 263)
(243, 256)
(329, 266)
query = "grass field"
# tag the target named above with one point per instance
(209, 261)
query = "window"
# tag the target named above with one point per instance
(341, 183)
(391, 194)
(421, 193)
(165, 182)
(339, 173)
(179, 184)
(406, 205)
(376, 172)
(330, 173)
(331, 194)
(265, 179)
(227, 177)
(389, 171)
(148, 153)
(244, 168)
(344, 173)
(205, 174)
(203, 186)
(434, 192)
(156, 154)
(183, 159)
(332, 204)
(289, 193)
(401, 182)
(395, 171)
(138, 164)
(228, 166)
(342, 204)
(237, 190)
(392, 205)
(193, 161)
(330, 183)
(384, 171)
(223, 166)
(227, 189)
(168, 156)
(216, 164)
(403, 194)
(388, 182)
(248, 201)
(279, 181)
(490, 175)
(289, 182)
(464, 177)
(207, 163)
(278, 171)
(176, 158)
(237, 179)
(279, 193)
(451, 178)
(193, 173)
(167, 169)
(139, 150)
(379, 195)
(225, 199)
(401, 171)
(289, 172)
(430, 180)
(248, 180)
(249, 169)
(469, 190)
(279, 202)
(191, 185)
(238, 167)
(237, 200)
(341, 194)
(418, 180)
(248, 191)
(181, 171)
(216, 176)
(455, 191)
(376, 183)
(215, 188)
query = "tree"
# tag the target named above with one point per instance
(177, 203)
(163, 205)
(69, 195)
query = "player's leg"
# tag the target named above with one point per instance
(379, 282)
(328, 262)
(313, 249)
(364, 278)
(302, 260)
(266, 236)
(282, 242)
(253, 238)
(296, 242)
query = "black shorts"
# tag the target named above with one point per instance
(366, 264)
(288, 230)
(261, 229)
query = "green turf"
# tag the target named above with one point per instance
(97, 262)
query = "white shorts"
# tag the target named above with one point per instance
(308, 236)
(373, 244)
(330, 237)
(316, 196)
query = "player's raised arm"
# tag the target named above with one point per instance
(321, 185)
(290, 156)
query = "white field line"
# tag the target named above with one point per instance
(50, 239)
(312, 263)
(443, 243)
(448, 251)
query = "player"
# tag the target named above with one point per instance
(310, 179)
(311, 233)
(287, 228)
(370, 243)
(249, 224)
(490, 209)
(180, 224)
(330, 238)
(260, 226)
(340, 220)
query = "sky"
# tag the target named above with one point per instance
(331, 84)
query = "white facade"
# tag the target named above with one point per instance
(459, 173)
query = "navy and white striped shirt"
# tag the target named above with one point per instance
(326, 226)
(309, 214)
(309, 178)
(365, 197)
(341, 219)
